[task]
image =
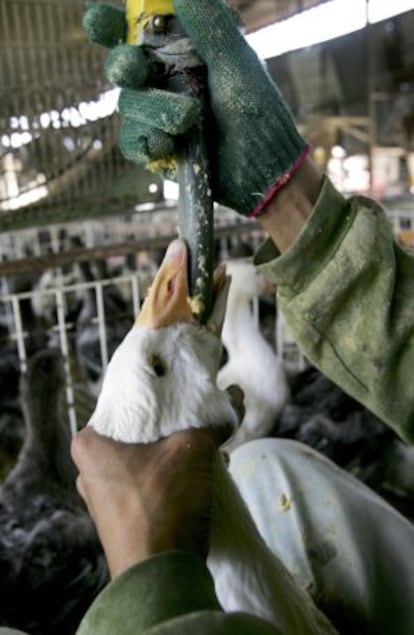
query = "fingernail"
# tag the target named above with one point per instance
(176, 250)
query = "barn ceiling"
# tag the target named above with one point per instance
(54, 149)
(258, 13)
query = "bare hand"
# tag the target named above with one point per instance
(148, 498)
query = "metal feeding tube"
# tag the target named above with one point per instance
(153, 25)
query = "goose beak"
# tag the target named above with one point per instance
(167, 302)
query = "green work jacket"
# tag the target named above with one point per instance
(346, 288)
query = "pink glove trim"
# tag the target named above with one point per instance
(271, 193)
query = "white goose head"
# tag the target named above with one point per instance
(162, 377)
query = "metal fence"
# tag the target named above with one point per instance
(80, 394)
(80, 399)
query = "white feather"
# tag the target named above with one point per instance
(136, 405)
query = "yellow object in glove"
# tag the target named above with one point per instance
(140, 12)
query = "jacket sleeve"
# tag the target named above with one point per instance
(169, 594)
(346, 289)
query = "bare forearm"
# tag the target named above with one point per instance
(287, 213)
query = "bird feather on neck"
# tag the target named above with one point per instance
(162, 377)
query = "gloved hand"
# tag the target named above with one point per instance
(253, 143)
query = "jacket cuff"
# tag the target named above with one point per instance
(313, 247)
(156, 590)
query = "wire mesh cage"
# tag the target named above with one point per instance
(58, 123)
(86, 339)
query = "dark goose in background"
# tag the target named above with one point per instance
(117, 323)
(51, 563)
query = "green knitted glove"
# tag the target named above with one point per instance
(254, 145)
